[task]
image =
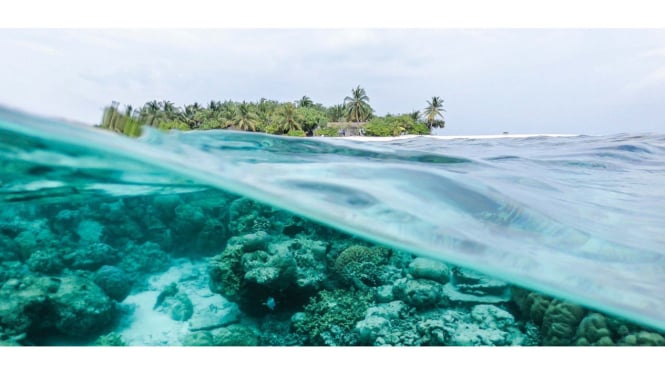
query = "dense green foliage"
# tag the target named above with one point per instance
(125, 123)
(288, 118)
(302, 117)
(326, 131)
(311, 119)
(336, 113)
(296, 133)
(395, 126)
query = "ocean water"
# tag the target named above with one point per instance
(579, 218)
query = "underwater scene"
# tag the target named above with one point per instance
(224, 238)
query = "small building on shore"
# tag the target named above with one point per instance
(348, 128)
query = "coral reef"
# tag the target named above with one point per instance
(143, 259)
(111, 339)
(564, 323)
(361, 266)
(329, 317)
(114, 281)
(71, 306)
(560, 322)
(256, 268)
(198, 339)
(379, 320)
(235, 335)
(531, 304)
(46, 261)
(424, 268)
(474, 283)
(92, 256)
(420, 293)
(89, 232)
(247, 216)
(643, 338)
(593, 330)
(396, 324)
(206, 268)
(33, 236)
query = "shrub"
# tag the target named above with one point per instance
(326, 131)
(296, 133)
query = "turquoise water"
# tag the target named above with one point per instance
(579, 218)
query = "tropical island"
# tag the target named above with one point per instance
(302, 117)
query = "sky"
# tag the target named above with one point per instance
(492, 80)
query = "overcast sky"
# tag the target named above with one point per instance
(588, 81)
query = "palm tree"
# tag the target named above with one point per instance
(305, 102)
(229, 112)
(357, 106)
(415, 115)
(150, 113)
(433, 110)
(214, 105)
(129, 110)
(212, 116)
(289, 119)
(169, 110)
(110, 119)
(336, 113)
(192, 115)
(152, 106)
(189, 115)
(264, 110)
(245, 119)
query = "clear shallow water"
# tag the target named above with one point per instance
(578, 217)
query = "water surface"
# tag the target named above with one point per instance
(579, 217)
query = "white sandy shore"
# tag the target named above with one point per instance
(448, 137)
